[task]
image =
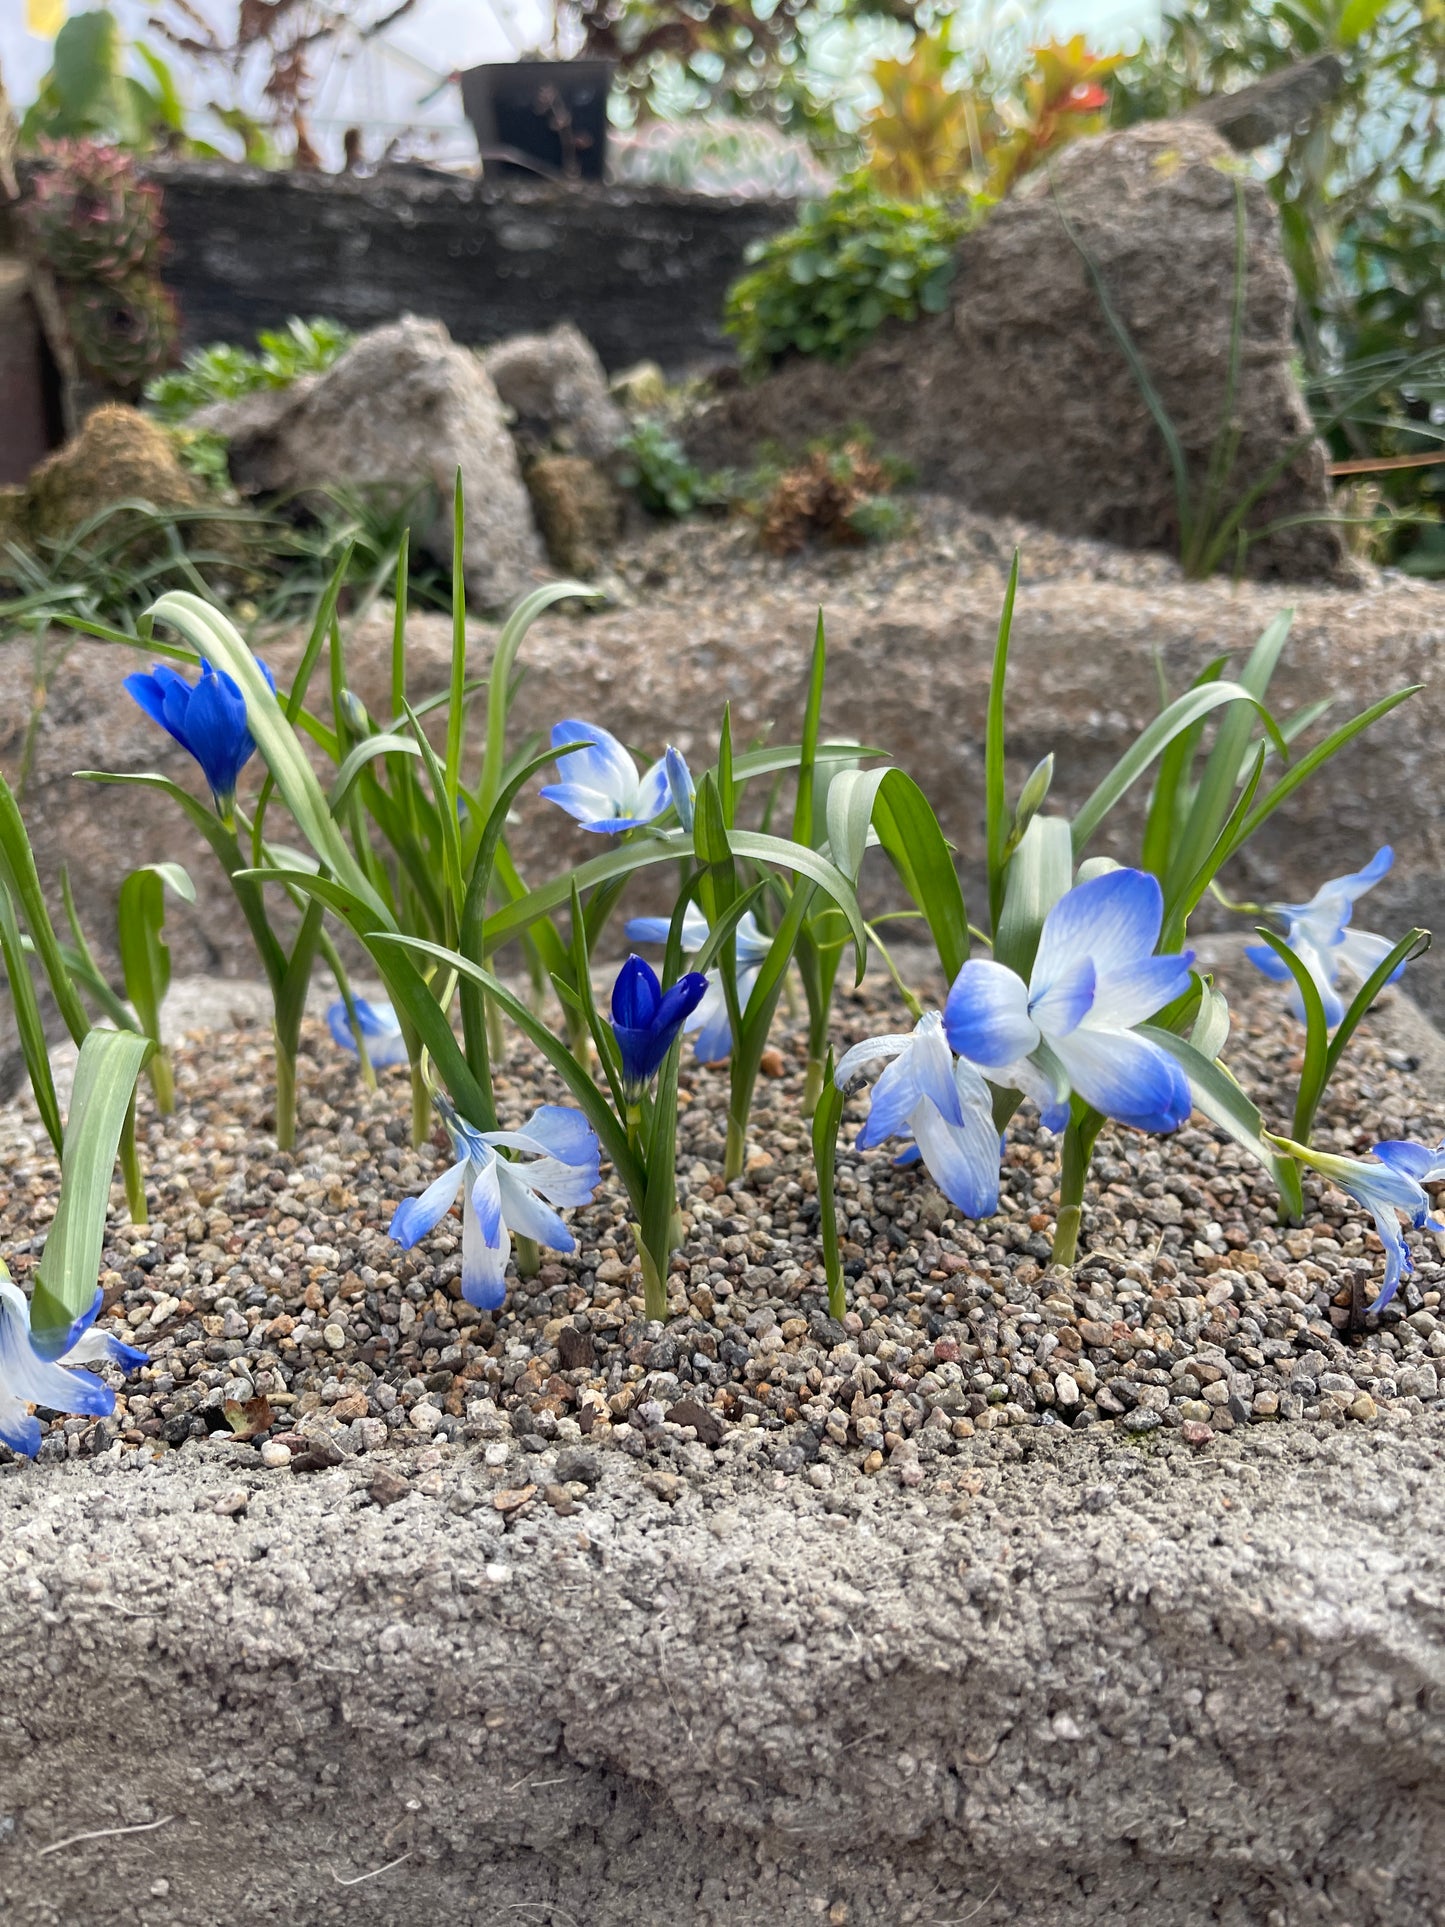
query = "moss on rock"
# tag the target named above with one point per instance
(578, 510)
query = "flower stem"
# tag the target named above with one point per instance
(812, 1085)
(285, 1098)
(135, 1190)
(654, 1284)
(1083, 1128)
(527, 1256)
(420, 1105)
(736, 1147)
(163, 1082)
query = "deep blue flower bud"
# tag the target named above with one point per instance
(207, 719)
(646, 1018)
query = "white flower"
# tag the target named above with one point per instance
(942, 1103)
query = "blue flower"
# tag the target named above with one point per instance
(710, 1019)
(33, 1369)
(646, 1018)
(385, 1044)
(1319, 934)
(207, 719)
(603, 789)
(939, 1101)
(501, 1196)
(1392, 1187)
(1071, 1026)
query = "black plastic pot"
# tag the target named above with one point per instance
(541, 117)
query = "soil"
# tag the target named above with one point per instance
(270, 1277)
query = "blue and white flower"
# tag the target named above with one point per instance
(1389, 1189)
(35, 1368)
(501, 1196)
(207, 718)
(377, 1023)
(1319, 934)
(602, 787)
(710, 1020)
(646, 1019)
(1070, 1027)
(940, 1102)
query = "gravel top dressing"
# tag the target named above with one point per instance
(273, 1306)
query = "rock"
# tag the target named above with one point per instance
(119, 455)
(1019, 398)
(578, 509)
(836, 1738)
(402, 410)
(556, 389)
(1274, 107)
(387, 1488)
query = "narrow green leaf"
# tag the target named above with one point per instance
(65, 1280)
(28, 1024)
(995, 792)
(910, 834)
(384, 743)
(1412, 945)
(18, 873)
(812, 722)
(594, 1106)
(1181, 714)
(1212, 798)
(1040, 873)
(499, 680)
(1177, 911)
(1317, 1034)
(1171, 779)
(1316, 758)
(1216, 1094)
(145, 960)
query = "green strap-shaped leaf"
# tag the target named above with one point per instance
(910, 833)
(18, 873)
(65, 1281)
(1317, 1035)
(499, 681)
(1221, 1100)
(28, 1023)
(145, 960)
(1039, 874)
(1182, 714)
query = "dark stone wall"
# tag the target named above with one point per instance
(642, 272)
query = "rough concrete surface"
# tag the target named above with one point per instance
(1091, 1682)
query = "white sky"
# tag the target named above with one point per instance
(381, 88)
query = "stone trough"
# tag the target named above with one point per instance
(1076, 1681)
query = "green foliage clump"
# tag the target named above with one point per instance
(225, 373)
(852, 262)
(659, 472)
(1360, 186)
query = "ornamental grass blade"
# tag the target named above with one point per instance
(65, 1280)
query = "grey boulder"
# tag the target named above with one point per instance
(556, 389)
(402, 410)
